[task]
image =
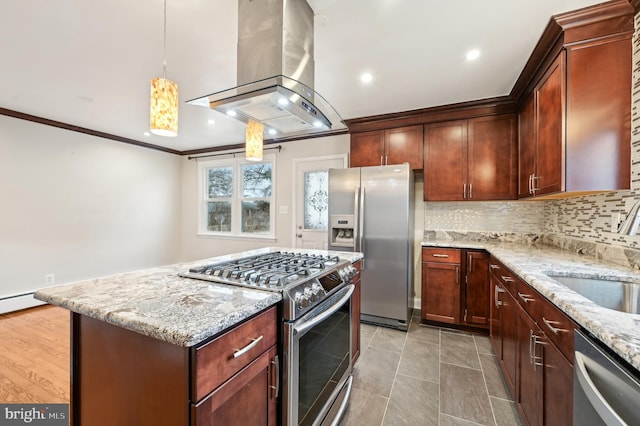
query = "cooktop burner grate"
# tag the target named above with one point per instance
(272, 271)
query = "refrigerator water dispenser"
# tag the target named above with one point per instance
(342, 230)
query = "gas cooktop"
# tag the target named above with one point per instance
(270, 271)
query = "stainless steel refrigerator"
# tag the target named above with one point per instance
(371, 211)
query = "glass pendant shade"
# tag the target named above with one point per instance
(253, 147)
(164, 107)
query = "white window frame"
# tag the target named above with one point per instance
(236, 199)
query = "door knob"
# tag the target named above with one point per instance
(299, 235)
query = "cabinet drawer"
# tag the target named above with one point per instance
(530, 300)
(442, 255)
(504, 275)
(218, 360)
(559, 328)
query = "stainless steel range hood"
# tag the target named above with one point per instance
(275, 74)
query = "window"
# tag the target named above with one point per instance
(237, 198)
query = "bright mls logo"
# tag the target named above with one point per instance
(36, 414)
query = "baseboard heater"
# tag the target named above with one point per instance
(18, 302)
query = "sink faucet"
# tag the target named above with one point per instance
(630, 224)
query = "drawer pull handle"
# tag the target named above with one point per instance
(525, 297)
(507, 279)
(254, 342)
(550, 324)
(494, 266)
(440, 255)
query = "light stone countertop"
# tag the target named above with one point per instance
(158, 303)
(534, 263)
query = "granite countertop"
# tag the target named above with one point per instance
(158, 303)
(534, 263)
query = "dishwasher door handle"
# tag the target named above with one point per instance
(598, 402)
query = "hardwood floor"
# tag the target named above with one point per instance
(34, 355)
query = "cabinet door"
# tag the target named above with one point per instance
(509, 327)
(550, 121)
(441, 292)
(492, 158)
(445, 161)
(529, 394)
(558, 387)
(495, 327)
(248, 398)
(404, 145)
(367, 149)
(477, 292)
(526, 147)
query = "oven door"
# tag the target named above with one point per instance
(317, 367)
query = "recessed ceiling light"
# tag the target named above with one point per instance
(317, 123)
(147, 134)
(283, 101)
(231, 113)
(211, 122)
(366, 77)
(272, 131)
(473, 54)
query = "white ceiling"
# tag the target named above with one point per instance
(89, 63)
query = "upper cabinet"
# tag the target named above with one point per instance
(575, 112)
(542, 136)
(390, 146)
(473, 159)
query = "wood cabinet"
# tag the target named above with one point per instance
(473, 159)
(542, 134)
(235, 371)
(476, 295)
(441, 285)
(130, 378)
(529, 379)
(390, 146)
(575, 117)
(533, 340)
(355, 314)
(455, 287)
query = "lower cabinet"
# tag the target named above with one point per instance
(455, 287)
(533, 340)
(129, 378)
(248, 398)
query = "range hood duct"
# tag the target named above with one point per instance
(275, 73)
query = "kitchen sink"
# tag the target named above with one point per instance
(617, 295)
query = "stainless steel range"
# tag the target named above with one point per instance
(316, 338)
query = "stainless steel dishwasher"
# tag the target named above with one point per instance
(605, 390)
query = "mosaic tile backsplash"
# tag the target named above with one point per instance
(585, 225)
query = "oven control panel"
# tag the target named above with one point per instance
(302, 297)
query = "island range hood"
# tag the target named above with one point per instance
(275, 74)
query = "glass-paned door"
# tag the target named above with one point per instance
(312, 200)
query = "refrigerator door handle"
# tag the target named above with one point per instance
(361, 224)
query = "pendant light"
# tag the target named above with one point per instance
(164, 96)
(254, 140)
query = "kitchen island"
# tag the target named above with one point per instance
(151, 347)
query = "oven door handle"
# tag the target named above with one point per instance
(332, 309)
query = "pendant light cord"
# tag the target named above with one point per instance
(164, 43)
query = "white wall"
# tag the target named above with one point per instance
(195, 247)
(79, 206)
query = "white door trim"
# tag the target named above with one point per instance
(294, 188)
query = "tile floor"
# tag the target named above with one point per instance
(428, 376)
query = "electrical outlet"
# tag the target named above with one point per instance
(50, 279)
